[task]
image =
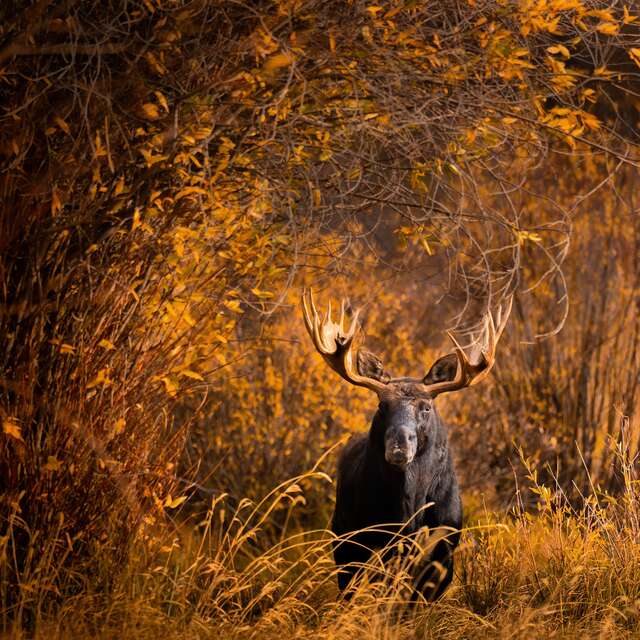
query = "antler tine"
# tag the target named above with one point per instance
(318, 336)
(336, 347)
(313, 307)
(306, 314)
(462, 356)
(503, 317)
(495, 327)
(491, 338)
(313, 324)
(470, 372)
(499, 316)
(353, 328)
(334, 344)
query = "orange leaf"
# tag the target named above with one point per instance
(608, 28)
(278, 61)
(12, 429)
(150, 111)
(62, 124)
(634, 54)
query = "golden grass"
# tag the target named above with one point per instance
(561, 573)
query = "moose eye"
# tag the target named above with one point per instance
(424, 406)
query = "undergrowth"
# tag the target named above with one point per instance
(239, 573)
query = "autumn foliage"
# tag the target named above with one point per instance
(173, 172)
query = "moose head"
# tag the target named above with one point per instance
(405, 410)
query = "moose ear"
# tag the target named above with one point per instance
(442, 370)
(370, 366)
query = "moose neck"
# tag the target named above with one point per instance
(405, 490)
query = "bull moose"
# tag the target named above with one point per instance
(398, 479)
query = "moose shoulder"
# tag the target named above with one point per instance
(399, 477)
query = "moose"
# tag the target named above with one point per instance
(398, 480)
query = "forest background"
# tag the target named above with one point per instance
(174, 172)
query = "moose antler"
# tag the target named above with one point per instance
(335, 344)
(336, 347)
(471, 370)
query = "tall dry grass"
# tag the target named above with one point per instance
(560, 572)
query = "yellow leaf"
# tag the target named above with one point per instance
(191, 374)
(162, 100)
(102, 378)
(173, 503)
(561, 49)
(119, 426)
(233, 305)
(11, 428)
(64, 347)
(105, 344)
(187, 191)
(136, 219)
(155, 64)
(528, 235)
(425, 245)
(453, 168)
(557, 65)
(262, 294)
(119, 186)
(150, 158)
